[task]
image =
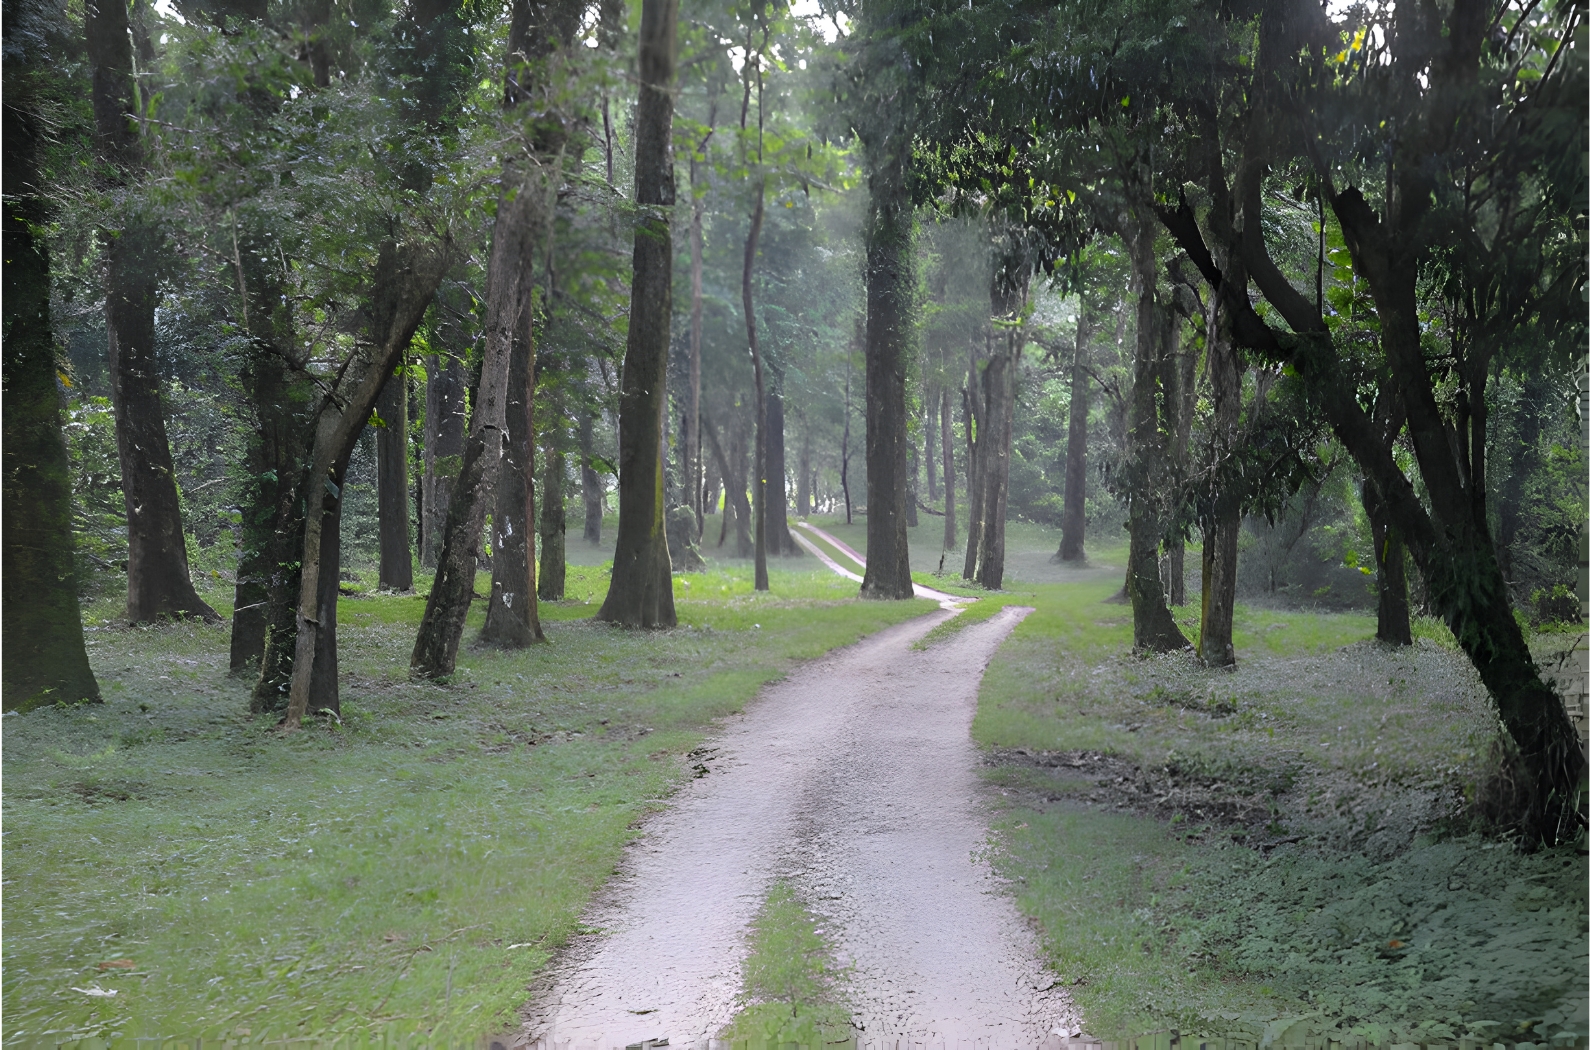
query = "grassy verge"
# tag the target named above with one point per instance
(415, 864)
(1228, 852)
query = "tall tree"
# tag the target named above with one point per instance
(46, 660)
(444, 427)
(1074, 515)
(948, 445)
(396, 567)
(641, 591)
(157, 555)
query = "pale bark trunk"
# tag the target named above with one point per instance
(444, 448)
(513, 619)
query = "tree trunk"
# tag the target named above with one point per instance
(994, 472)
(513, 619)
(1179, 377)
(779, 540)
(641, 592)
(280, 396)
(45, 659)
(759, 461)
(930, 429)
(392, 484)
(733, 468)
(552, 580)
(1223, 523)
(404, 281)
(891, 287)
(912, 469)
(1392, 624)
(1153, 627)
(590, 483)
(844, 449)
(693, 457)
(1074, 516)
(803, 479)
(976, 415)
(445, 387)
(522, 212)
(157, 556)
(948, 445)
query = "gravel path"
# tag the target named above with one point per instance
(855, 779)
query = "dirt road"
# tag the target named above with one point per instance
(854, 779)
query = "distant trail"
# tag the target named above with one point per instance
(850, 552)
(856, 780)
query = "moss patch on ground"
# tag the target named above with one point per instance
(414, 865)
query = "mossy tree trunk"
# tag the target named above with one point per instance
(45, 658)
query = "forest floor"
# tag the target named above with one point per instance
(1282, 846)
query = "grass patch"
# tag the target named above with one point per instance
(1138, 789)
(789, 979)
(415, 865)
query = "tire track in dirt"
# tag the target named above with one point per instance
(855, 779)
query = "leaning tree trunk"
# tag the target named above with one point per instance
(551, 581)
(522, 211)
(1153, 627)
(890, 290)
(45, 658)
(392, 484)
(733, 469)
(513, 619)
(1224, 519)
(641, 591)
(948, 445)
(445, 387)
(1074, 516)
(404, 281)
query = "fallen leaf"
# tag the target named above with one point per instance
(1394, 944)
(118, 964)
(103, 993)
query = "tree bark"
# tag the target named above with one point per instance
(890, 290)
(733, 469)
(404, 281)
(1074, 515)
(45, 657)
(280, 397)
(1179, 379)
(975, 417)
(759, 461)
(803, 472)
(158, 584)
(929, 456)
(513, 618)
(779, 540)
(590, 482)
(1153, 627)
(948, 445)
(392, 484)
(1392, 620)
(551, 582)
(641, 591)
(993, 448)
(445, 387)
(1223, 523)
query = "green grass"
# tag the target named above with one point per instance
(1370, 915)
(415, 865)
(789, 993)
